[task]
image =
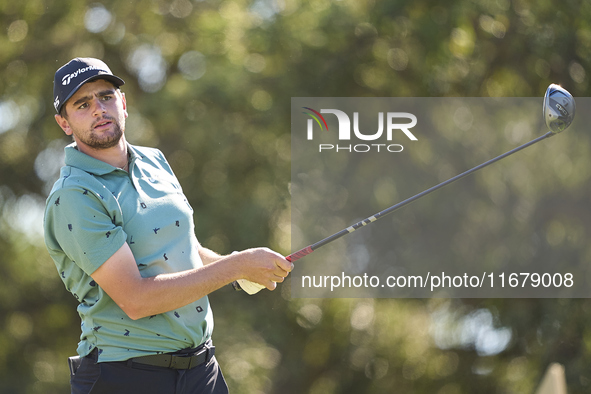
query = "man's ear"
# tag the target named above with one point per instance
(64, 124)
(124, 104)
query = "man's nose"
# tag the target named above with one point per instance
(98, 107)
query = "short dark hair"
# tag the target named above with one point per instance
(63, 113)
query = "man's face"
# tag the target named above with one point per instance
(95, 115)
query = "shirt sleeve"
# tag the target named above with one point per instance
(82, 224)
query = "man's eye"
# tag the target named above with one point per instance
(82, 106)
(106, 98)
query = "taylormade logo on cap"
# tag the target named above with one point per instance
(68, 77)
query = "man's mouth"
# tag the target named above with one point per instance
(102, 124)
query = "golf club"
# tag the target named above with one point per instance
(558, 112)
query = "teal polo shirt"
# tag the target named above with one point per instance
(92, 210)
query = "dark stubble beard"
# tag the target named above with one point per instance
(100, 141)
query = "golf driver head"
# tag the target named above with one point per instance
(559, 108)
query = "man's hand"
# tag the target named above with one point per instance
(262, 267)
(250, 257)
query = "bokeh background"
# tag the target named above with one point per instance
(209, 83)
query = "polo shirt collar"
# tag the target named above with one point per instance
(75, 158)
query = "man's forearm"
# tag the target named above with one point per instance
(208, 256)
(166, 292)
(139, 297)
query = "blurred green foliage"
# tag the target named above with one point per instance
(209, 83)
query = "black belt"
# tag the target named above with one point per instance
(185, 359)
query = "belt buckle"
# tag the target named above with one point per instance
(189, 361)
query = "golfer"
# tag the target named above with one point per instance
(121, 234)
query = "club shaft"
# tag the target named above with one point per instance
(311, 248)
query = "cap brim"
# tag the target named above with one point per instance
(115, 80)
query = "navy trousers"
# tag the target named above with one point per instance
(126, 378)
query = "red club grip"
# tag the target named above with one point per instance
(299, 254)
